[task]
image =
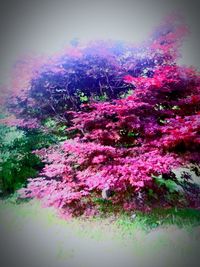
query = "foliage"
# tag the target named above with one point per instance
(86, 72)
(126, 117)
(124, 145)
(17, 162)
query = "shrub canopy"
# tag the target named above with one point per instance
(130, 114)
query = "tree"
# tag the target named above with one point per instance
(129, 146)
(47, 87)
(120, 140)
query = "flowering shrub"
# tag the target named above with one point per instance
(127, 144)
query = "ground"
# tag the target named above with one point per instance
(35, 237)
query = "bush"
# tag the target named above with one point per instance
(131, 115)
(129, 145)
(17, 162)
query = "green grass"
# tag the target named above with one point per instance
(182, 218)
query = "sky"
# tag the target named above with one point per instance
(44, 27)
